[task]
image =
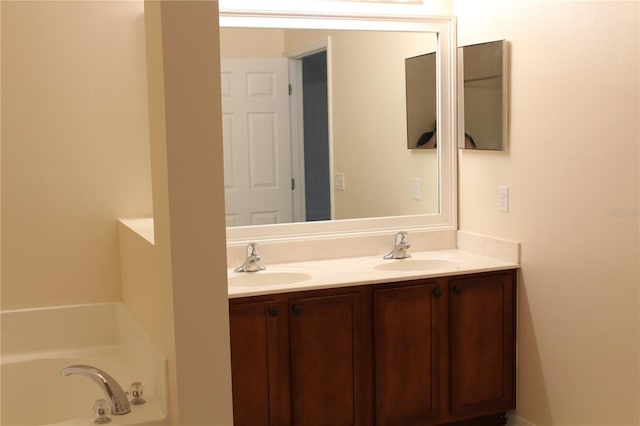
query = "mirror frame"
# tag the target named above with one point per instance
(445, 29)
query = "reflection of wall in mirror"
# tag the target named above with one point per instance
(369, 123)
(368, 116)
(251, 43)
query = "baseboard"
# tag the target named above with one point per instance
(514, 420)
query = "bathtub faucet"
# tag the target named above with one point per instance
(114, 393)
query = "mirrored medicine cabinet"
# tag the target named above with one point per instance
(482, 98)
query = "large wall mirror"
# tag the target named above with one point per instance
(321, 100)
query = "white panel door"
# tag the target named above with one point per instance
(257, 150)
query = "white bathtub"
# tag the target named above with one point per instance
(38, 344)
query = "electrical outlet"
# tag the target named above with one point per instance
(338, 181)
(503, 198)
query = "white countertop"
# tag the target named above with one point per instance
(331, 273)
(306, 264)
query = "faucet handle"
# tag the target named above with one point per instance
(101, 408)
(136, 390)
(401, 237)
(252, 249)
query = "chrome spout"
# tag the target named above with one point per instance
(400, 247)
(116, 397)
(251, 263)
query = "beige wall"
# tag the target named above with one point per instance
(190, 240)
(75, 150)
(572, 168)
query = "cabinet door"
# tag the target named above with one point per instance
(482, 321)
(407, 335)
(254, 363)
(326, 350)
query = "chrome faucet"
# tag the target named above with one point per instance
(114, 393)
(400, 247)
(251, 263)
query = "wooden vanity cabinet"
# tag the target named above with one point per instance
(424, 352)
(307, 359)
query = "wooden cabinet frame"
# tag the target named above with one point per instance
(419, 352)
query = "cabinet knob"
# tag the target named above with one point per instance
(437, 292)
(296, 309)
(273, 312)
(457, 289)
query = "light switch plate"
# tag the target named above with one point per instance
(338, 181)
(415, 188)
(503, 198)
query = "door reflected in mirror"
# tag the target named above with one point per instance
(310, 138)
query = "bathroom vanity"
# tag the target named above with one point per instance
(410, 349)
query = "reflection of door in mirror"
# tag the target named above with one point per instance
(421, 101)
(255, 123)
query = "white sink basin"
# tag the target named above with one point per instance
(412, 264)
(267, 278)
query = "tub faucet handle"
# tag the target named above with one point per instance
(101, 408)
(136, 391)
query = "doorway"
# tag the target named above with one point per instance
(310, 132)
(316, 137)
